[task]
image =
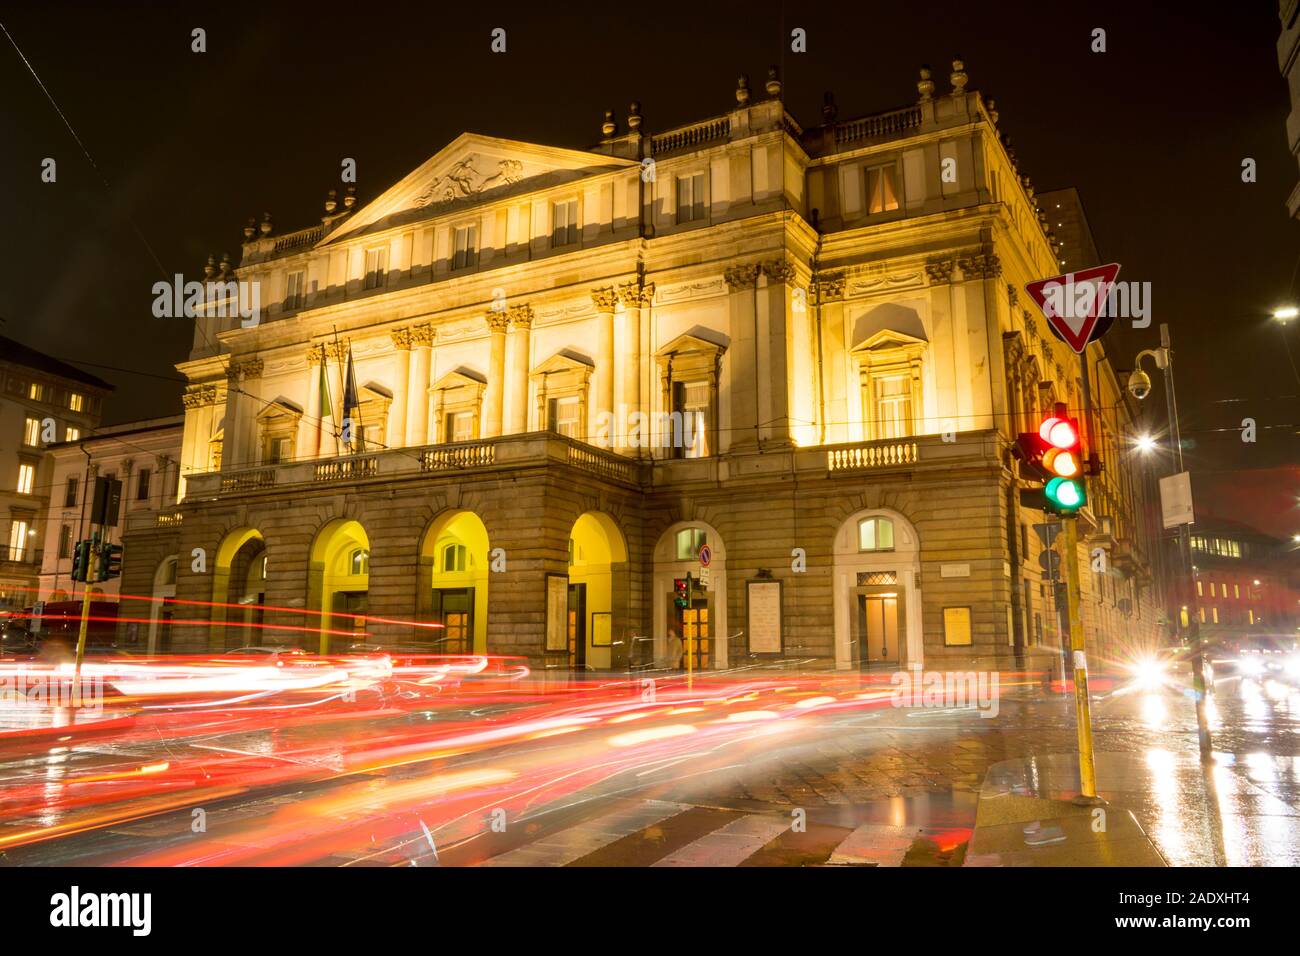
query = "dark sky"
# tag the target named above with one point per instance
(1152, 133)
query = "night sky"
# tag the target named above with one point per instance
(187, 146)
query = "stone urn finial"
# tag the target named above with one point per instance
(925, 85)
(742, 90)
(609, 127)
(773, 86)
(225, 264)
(993, 111)
(634, 116)
(350, 198)
(331, 201)
(210, 267)
(958, 76)
(266, 224)
(250, 229)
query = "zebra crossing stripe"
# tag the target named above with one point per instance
(575, 842)
(731, 844)
(875, 843)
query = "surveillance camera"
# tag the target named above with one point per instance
(1139, 384)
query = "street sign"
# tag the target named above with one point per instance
(706, 555)
(1176, 500)
(704, 577)
(1076, 304)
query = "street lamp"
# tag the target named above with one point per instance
(1286, 313)
(1139, 386)
(1145, 444)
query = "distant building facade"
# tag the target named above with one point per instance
(145, 457)
(806, 348)
(1288, 60)
(1245, 585)
(42, 401)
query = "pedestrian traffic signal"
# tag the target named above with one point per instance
(110, 561)
(681, 592)
(80, 560)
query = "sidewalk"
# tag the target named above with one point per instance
(1025, 815)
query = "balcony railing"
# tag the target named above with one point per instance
(23, 556)
(248, 480)
(458, 457)
(881, 454)
(883, 124)
(346, 469)
(696, 135)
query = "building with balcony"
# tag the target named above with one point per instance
(42, 401)
(145, 457)
(502, 407)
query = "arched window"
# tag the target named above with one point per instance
(689, 542)
(453, 557)
(875, 534)
(359, 562)
(169, 572)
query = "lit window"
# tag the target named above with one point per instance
(1202, 613)
(1200, 589)
(36, 392)
(458, 426)
(266, 560)
(688, 423)
(689, 542)
(65, 541)
(72, 434)
(564, 223)
(465, 247)
(32, 432)
(1251, 612)
(77, 402)
(169, 572)
(1214, 613)
(882, 189)
(453, 558)
(1236, 591)
(1212, 594)
(564, 417)
(690, 197)
(892, 405)
(875, 534)
(26, 479)
(359, 562)
(18, 540)
(376, 267)
(293, 286)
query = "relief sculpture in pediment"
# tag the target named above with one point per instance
(463, 180)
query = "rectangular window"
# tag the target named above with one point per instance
(1200, 592)
(563, 416)
(65, 541)
(70, 492)
(72, 434)
(1212, 594)
(26, 478)
(893, 406)
(688, 423)
(293, 287)
(689, 542)
(956, 626)
(465, 247)
(1214, 613)
(564, 223)
(690, 197)
(376, 267)
(32, 432)
(882, 189)
(1236, 591)
(459, 426)
(279, 449)
(1251, 612)
(36, 392)
(18, 540)
(142, 485)
(76, 402)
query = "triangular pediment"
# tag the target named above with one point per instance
(471, 169)
(564, 362)
(888, 339)
(690, 343)
(454, 380)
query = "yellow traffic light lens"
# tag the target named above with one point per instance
(1062, 463)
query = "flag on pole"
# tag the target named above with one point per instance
(325, 427)
(352, 406)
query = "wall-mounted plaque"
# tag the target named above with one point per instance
(764, 617)
(557, 612)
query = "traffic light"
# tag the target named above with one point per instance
(110, 561)
(681, 592)
(1062, 463)
(80, 560)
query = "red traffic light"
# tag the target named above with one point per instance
(1059, 432)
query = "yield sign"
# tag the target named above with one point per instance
(1076, 304)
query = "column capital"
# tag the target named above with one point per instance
(741, 277)
(497, 321)
(604, 300)
(315, 354)
(779, 270)
(421, 335)
(252, 368)
(636, 295)
(401, 339)
(338, 351)
(521, 316)
(830, 285)
(939, 270)
(983, 265)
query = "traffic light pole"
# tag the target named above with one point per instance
(91, 564)
(1082, 704)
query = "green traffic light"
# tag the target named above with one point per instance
(1065, 494)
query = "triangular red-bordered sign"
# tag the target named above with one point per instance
(1074, 303)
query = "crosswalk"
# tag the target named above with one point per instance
(667, 834)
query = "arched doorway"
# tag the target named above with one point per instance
(238, 590)
(704, 619)
(595, 628)
(160, 610)
(453, 584)
(877, 602)
(338, 583)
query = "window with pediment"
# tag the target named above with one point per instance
(457, 400)
(687, 427)
(561, 385)
(277, 428)
(889, 376)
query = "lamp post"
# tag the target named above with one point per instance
(1140, 387)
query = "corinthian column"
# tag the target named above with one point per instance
(494, 396)
(417, 405)
(401, 388)
(309, 427)
(518, 348)
(605, 301)
(627, 361)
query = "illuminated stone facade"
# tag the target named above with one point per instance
(574, 366)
